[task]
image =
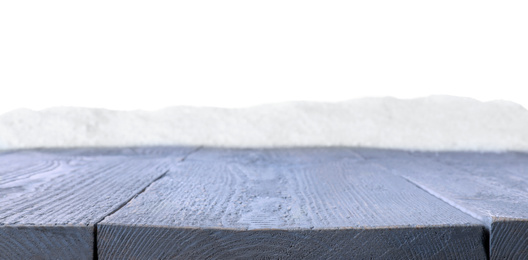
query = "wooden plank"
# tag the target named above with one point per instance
(339, 209)
(489, 186)
(49, 203)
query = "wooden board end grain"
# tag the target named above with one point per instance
(169, 242)
(46, 242)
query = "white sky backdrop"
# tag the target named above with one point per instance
(152, 54)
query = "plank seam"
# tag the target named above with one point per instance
(146, 187)
(486, 222)
(451, 203)
(486, 239)
(486, 230)
(95, 254)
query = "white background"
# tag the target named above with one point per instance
(152, 54)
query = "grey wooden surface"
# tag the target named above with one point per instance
(492, 187)
(144, 203)
(281, 204)
(50, 202)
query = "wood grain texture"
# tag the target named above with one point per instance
(492, 187)
(49, 202)
(343, 208)
(46, 242)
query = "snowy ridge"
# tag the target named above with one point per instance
(431, 123)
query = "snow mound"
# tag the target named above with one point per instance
(433, 123)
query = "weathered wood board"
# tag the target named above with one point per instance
(347, 208)
(49, 202)
(287, 202)
(492, 187)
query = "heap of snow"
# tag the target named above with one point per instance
(432, 123)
